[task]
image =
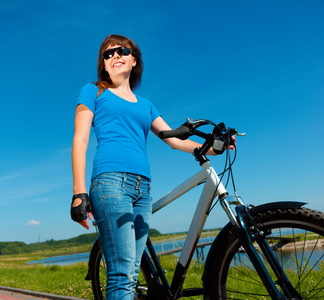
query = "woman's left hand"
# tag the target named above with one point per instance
(232, 142)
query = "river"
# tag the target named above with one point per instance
(316, 255)
(84, 257)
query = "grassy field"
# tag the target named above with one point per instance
(59, 280)
(194, 275)
(69, 280)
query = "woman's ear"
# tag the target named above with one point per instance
(134, 62)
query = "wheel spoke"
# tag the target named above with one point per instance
(255, 280)
(254, 295)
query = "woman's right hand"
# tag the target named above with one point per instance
(80, 208)
(83, 121)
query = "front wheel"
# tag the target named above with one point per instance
(297, 239)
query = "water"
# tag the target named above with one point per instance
(316, 255)
(62, 260)
(174, 245)
(84, 257)
(309, 258)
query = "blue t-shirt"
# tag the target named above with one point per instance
(121, 129)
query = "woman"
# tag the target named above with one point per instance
(120, 184)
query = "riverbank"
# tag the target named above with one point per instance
(69, 280)
(58, 280)
(65, 281)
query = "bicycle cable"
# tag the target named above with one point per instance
(222, 174)
(230, 172)
(228, 160)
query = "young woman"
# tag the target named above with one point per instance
(120, 183)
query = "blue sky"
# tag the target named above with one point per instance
(258, 66)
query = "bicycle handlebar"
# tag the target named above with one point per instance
(219, 138)
(189, 128)
(182, 133)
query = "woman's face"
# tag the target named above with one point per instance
(119, 64)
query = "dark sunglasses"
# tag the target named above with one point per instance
(120, 51)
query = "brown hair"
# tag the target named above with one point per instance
(104, 79)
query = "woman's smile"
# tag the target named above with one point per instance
(118, 64)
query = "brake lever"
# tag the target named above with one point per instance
(240, 134)
(233, 131)
(193, 124)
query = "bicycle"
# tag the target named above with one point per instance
(245, 260)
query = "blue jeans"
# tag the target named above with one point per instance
(122, 208)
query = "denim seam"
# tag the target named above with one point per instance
(110, 233)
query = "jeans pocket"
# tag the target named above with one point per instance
(107, 185)
(111, 189)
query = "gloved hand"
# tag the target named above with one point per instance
(79, 213)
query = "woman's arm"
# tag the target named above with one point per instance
(184, 145)
(82, 126)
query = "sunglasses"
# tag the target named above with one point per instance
(120, 51)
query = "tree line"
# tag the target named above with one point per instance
(9, 248)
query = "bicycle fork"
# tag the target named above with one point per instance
(247, 238)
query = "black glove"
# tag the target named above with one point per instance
(79, 212)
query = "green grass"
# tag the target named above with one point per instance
(69, 280)
(249, 284)
(59, 280)
(193, 279)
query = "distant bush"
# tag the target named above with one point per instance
(80, 240)
(7, 248)
(154, 232)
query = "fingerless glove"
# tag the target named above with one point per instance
(79, 212)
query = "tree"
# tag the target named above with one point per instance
(154, 232)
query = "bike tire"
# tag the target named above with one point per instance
(96, 272)
(230, 275)
(97, 275)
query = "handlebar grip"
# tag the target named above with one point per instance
(182, 133)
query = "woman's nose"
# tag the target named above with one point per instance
(116, 55)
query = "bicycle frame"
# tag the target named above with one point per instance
(203, 206)
(213, 188)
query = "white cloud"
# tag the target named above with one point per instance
(32, 222)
